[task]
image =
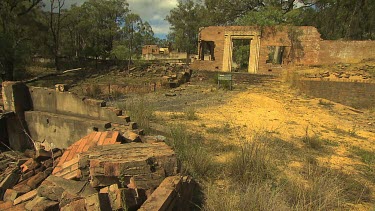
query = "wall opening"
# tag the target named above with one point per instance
(240, 55)
(276, 54)
(207, 50)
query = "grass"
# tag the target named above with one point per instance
(140, 111)
(192, 152)
(353, 132)
(190, 113)
(251, 164)
(255, 182)
(313, 141)
(224, 129)
(367, 157)
(93, 91)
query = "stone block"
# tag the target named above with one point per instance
(8, 182)
(147, 164)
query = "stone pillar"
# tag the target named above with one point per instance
(254, 55)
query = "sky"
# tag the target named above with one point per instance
(152, 11)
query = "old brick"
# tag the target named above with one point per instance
(77, 205)
(35, 180)
(8, 182)
(25, 197)
(30, 164)
(164, 197)
(11, 194)
(5, 205)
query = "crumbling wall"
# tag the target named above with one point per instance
(54, 117)
(339, 51)
(302, 45)
(350, 93)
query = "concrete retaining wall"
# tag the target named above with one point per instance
(53, 117)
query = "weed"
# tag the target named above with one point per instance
(116, 94)
(367, 157)
(224, 129)
(191, 152)
(323, 191)
(252, 164)
(94, 91)
(190, 113)
(353, 131)
(140, 111)
(257, 196)
(313, 142)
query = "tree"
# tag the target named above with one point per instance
(185, 20)
(15, 34)
(55, 27)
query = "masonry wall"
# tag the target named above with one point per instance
(345, 51)
(301, 46)
(354, 94)
(304, 49)
(215, 34)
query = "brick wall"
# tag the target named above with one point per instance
(345, 51)
(354, 94)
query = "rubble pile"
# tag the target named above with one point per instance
(102, 171)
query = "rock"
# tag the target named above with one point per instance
(8, 182)
(131, 137)
(53, 188)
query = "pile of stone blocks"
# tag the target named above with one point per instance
(101, 171)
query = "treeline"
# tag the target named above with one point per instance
(335, 19)
(96, 29)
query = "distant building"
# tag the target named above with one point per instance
(154, 52)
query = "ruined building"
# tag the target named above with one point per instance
(274, 47)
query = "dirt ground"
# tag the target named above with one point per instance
(272, 106)
(267, 104)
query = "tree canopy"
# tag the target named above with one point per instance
(97, 29)
(335, 19)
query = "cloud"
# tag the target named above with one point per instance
(154, 11)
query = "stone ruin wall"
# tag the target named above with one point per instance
(307, 49)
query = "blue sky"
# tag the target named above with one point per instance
(153, 11)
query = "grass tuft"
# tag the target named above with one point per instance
(191, 151)
(140, 111)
